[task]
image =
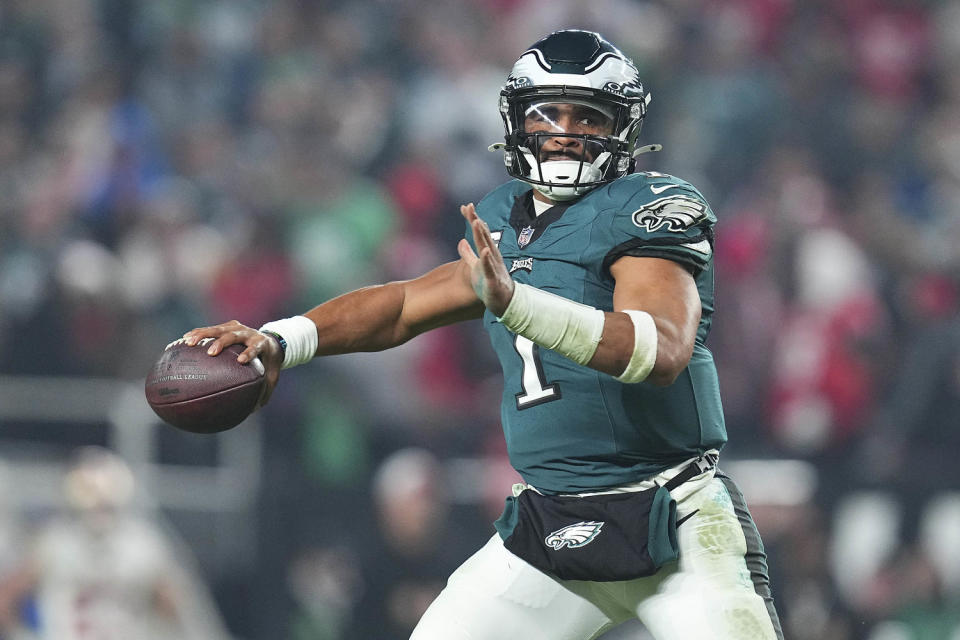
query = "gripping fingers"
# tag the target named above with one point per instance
(249, 354)
(225, 335)
(194, 336)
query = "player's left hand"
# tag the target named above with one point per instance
(488, 275)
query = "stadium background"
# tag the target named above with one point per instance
(170, 164)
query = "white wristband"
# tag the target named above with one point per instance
(567, 327)
(300, 334)
(644, 347)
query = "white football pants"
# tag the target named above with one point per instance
(710, 593)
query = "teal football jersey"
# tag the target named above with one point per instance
(570, 428)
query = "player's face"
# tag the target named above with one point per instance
(560, 118)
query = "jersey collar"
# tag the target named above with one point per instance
(522, 215)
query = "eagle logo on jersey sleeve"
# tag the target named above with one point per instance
(675, 212)
(574, 535)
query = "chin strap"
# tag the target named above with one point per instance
(644, 149)
(600, 160)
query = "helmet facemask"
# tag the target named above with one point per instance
(565, 146)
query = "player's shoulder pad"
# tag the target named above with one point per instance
(658, 202)
(656, 215)
(499, 200)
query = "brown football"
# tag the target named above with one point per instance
(200, 393)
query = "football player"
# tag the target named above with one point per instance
(102, 572)
(595, 285)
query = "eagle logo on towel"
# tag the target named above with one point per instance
(574, 535)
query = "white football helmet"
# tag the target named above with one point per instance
(572, 109)
(98, 480)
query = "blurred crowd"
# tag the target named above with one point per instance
(176, 163)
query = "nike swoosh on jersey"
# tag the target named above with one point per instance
(700, 247)
(658, 190)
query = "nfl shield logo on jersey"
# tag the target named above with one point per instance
(524, 238)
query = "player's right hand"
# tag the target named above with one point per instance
(258, 345)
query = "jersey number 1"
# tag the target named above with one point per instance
(536, 390)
